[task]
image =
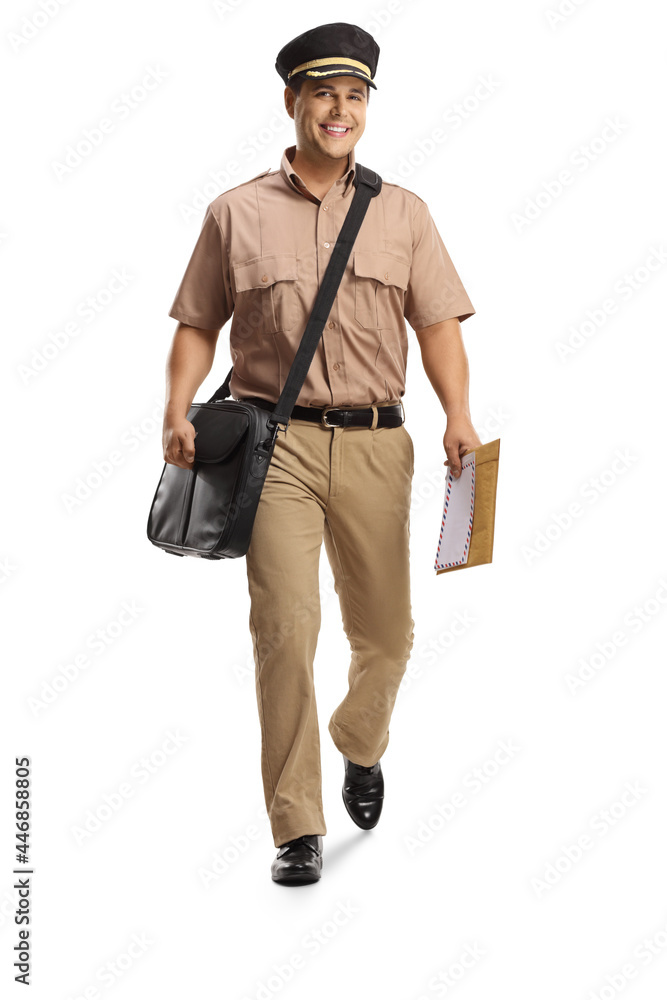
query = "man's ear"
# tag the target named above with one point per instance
(289, 101)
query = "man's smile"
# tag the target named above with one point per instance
(337, 131)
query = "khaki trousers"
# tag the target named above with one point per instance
(352, 487)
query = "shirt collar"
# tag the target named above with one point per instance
(292, 178)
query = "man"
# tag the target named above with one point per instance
(342, 470)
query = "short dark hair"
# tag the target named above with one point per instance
(295, 83)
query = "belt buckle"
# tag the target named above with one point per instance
(324, 415)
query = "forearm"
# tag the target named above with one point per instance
(189, 361)
(446, 365)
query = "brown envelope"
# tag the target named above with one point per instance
(484, 510)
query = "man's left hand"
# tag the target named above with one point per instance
(459, 437)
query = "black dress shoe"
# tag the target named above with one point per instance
(299, 861)
(363, 793)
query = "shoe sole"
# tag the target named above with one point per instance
(295, 879)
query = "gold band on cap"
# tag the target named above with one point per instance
(331, 61)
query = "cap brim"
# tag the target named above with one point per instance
(338, 70)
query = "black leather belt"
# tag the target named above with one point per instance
(340, 416)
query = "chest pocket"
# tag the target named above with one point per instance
(266, 294)
(380, 283)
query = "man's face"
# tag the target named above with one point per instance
(336, 100)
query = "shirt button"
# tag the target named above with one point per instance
(265, 277)
(327, 245)
(325, 208)
(386, 274)
(331, 325)
(336, 367)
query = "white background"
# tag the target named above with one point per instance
(494, 880)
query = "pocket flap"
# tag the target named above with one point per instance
(383, 267)
(217, 435)
(264, 271)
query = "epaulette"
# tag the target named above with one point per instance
(242, 184)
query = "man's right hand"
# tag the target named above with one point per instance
(189, 362)
(178, 442)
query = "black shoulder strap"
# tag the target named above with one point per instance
(368, 185)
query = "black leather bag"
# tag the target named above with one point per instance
(208, 511)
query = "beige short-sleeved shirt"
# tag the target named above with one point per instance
(260, 258)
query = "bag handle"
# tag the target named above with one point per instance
(368, 185)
